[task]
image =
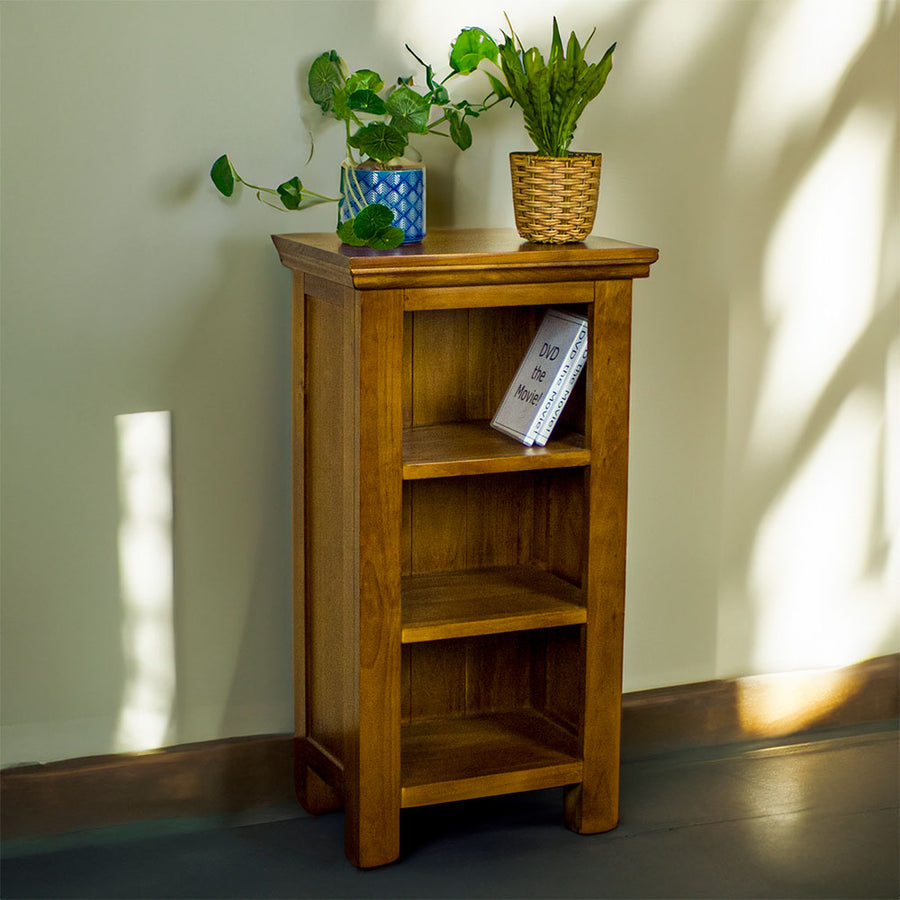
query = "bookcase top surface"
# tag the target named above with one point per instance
(464, 256)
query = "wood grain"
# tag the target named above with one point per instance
(328, 410)
(298, 503)
(474, 448)
(486, 601)
(593, 805)
(471, 257)
(372, 804)
(479, 756)
(476, 296)
(461, 629)
(439, 369)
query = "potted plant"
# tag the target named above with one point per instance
(382, 193)
(555, 189)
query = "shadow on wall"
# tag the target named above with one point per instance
(227, 398)
(233, 389)
(763, 344)
(766, 342)
(811, 517)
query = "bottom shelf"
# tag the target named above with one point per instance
(464, 757)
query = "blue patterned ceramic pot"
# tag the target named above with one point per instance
(401, 190)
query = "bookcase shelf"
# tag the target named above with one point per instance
(458, 597)
(459, 758)
(486, 601)
(473, 448)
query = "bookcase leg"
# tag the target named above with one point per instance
(593, 805)
(372, 840)
(316, 796)
(372, 767)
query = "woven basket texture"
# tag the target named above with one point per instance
(555, 198)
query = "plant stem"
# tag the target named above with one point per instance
(351, 182)
(254, 187)
(304, 192)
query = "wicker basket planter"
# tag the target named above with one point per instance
(555, 197)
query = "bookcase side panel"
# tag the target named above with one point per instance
(372, 823)
(298, 504)
(331, 521)
(593, 805)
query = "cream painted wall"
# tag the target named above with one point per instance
(754, 142)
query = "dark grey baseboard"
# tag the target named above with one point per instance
(237, 774)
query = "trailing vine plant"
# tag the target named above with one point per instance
(379, 124)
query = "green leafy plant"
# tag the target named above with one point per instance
(553, 93)
(379, 124)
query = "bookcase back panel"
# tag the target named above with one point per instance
(520, 518)
(564, 516)
(466, 523)
(563, 676)
(469, 676)
(499, 338)
(437, 679)
(439, 366)
(458, 363)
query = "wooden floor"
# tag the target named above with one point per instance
(814, 816)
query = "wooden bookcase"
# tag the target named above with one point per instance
(458, 597)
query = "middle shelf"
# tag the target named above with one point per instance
(474, 448)
(486, 601)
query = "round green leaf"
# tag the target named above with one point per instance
(347, 234)
(368, 102)
(470, 48)
(410, 111)
(379, 141)
(387, 238)
(223, 175)
(372, 219)
(365, 79)
(340, 104)
(325, 78)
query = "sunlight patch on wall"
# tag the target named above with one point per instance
(821, 277)
(819, 600)
(670, 40)
(797, 58)
(430, 27)
(892, 471)
(146, 576)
